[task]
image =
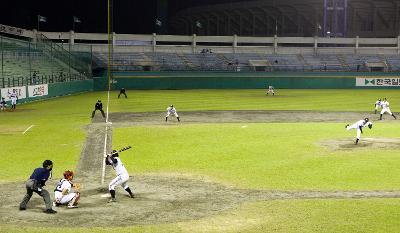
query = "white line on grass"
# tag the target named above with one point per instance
(28, 129)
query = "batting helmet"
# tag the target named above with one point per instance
(68, 174)
(47, 163)
(115, 153)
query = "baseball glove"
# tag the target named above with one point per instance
(370, 126)
(77, 186)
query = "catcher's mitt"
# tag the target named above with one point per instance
(77, 186)
(370, 126)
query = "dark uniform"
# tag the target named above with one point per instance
(122, 91)
(98, 106)
(35, 184)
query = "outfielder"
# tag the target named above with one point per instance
(270, 90)
(63, 194)
(3, 104)
(385, 108)
(14, 97)
(377, 105)
(171, 110)
(35, 184)
(122, 175)
(359, 125)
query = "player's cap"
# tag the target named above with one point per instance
(171, 106)
(98, 100)
(366, 119)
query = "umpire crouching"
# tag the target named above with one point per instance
(35, 184)
(98, 106)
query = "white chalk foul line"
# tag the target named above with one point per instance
(28, 129)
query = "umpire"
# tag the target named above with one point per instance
(122, 91)
(98, 106)
(35, 184)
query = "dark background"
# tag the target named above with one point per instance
(130, 16)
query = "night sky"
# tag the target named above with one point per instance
(130, 16)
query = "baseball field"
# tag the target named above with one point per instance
(239, 161)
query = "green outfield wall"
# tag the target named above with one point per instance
(248, 80)
(46, 91)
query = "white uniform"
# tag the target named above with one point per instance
(122, 174)
(14, 98)
(270, 90)
(171, 110)
(62, 185)
(385, 107)
(378, 104)
(359, 125)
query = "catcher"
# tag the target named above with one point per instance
(63, 194)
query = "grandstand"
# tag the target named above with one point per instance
(43, 57)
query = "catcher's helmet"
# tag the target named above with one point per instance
(47, 163)
(68, 174)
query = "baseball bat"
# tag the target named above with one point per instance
(120, 150)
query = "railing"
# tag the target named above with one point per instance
(36, 80)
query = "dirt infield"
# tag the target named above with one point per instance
(168, 198)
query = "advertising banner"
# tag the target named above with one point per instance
(38, 90)
(378, 81)
(20, 91)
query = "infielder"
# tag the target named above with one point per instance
(35, 184)
(377, 105)
(122, 175)
(171, 110)
(3, 104)
(14, 97)
(359, 125)
(63, 194)
(270, 90)
(385, 108)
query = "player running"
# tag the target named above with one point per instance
(359, 125)
(270, 90)
(171, 110)
(377, 105)
(385, 108)
(63, 194)
(122, 175)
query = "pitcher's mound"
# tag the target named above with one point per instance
(370, 143)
